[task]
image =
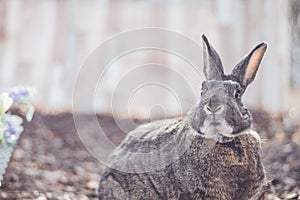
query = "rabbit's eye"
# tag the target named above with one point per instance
(237, 94)
(203, 91)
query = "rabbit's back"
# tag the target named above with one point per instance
(120, 181)
(166, 160)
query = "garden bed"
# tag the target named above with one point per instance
(50, 162)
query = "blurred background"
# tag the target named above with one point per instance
(44, 43)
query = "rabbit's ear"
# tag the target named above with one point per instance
(213, 68)
(246, 69)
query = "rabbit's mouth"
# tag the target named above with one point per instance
(215, 124)
(217, 130)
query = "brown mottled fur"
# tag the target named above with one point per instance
(207, 170)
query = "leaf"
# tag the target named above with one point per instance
(30, 112)
(1, 132)
(5, 102)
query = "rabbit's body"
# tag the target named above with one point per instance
(212, 153)
(200, 172)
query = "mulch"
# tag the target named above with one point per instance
(50, 161)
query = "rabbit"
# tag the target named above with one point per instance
(211, 153)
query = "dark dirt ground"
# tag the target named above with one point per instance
(50, 162)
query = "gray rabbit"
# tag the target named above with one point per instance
(212, 153)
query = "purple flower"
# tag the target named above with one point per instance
(14, 129)
(21, 94)
(12, 125)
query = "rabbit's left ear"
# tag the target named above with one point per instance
(246, 69)
(213, 68)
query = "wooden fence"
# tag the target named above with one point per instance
(44, 44)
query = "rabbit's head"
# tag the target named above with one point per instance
(220, 113)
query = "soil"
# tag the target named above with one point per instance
(50, 161)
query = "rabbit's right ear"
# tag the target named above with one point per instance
(213, 68)
(246, 69)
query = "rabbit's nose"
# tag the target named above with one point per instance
(213, 109)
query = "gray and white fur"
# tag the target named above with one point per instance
(212, 153)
